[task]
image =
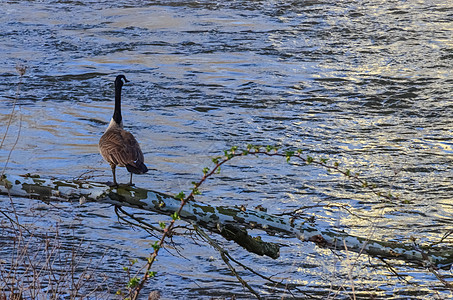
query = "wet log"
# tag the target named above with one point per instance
(230, 222)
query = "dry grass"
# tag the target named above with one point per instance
(45, 265)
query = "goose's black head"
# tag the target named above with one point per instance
(118, 82)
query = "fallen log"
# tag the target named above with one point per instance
(230, 222)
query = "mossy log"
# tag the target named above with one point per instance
(230, 222)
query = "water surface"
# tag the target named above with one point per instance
(364, 83)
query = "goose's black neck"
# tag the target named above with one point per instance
(118, 86)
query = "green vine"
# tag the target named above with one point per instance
(137, 285)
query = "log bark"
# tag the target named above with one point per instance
(230, 222)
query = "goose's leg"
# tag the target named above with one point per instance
(130, 182)
(114, 175)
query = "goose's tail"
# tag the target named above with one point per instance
(137, 167)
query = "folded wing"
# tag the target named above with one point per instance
(120, 148)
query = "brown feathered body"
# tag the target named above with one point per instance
(118, 146)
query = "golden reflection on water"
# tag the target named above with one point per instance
(354, 82)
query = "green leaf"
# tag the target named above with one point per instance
(216, 159)
(133, 282)
(180, 196)
(156, 245)
(196, 191)
(175, 216)
(309, 159)
(152, 274)
(288, 155)
(205, 171)
(162, 225)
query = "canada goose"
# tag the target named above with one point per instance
(117, 146)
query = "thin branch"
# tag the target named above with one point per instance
(431, 267)
(443, 238)
(21, 70)
(225, 258)
(14, 146)
(220, 249)
(144, 225)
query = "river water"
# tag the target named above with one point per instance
(365, 83)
